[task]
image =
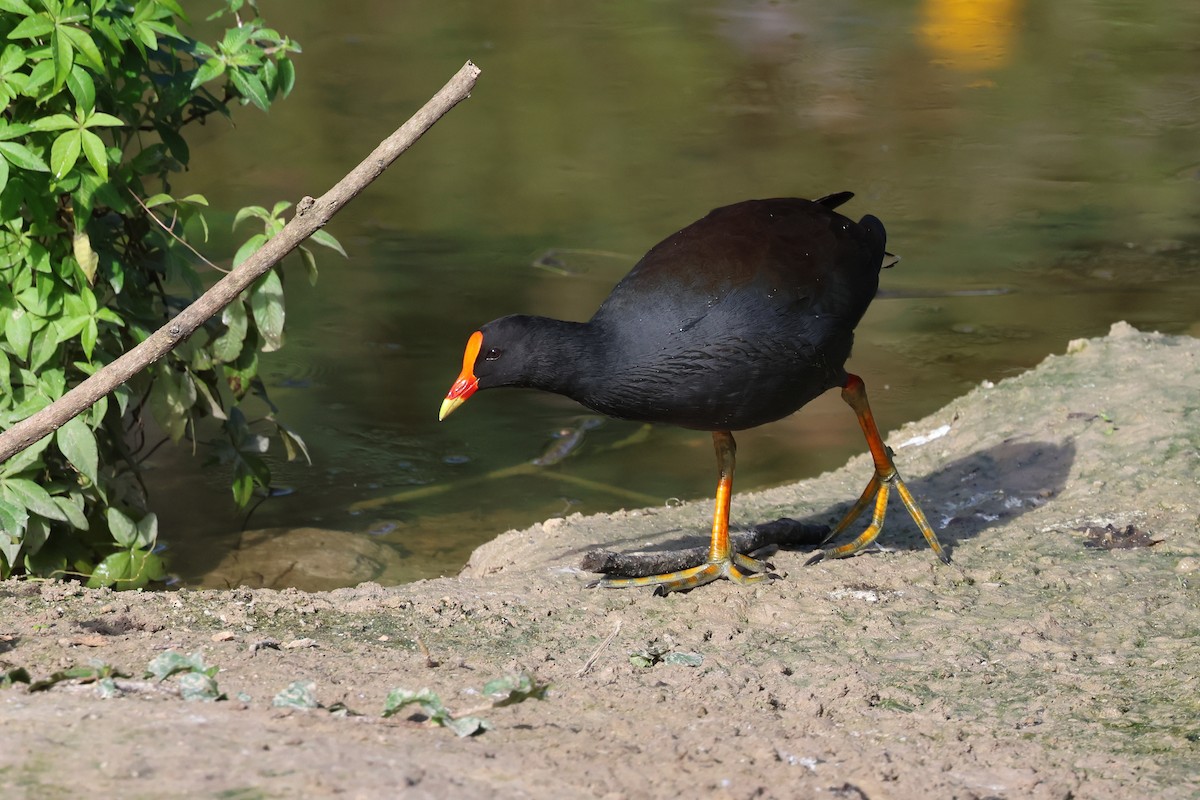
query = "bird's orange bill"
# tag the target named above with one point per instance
(467, 383)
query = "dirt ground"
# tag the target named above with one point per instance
(1056, 658)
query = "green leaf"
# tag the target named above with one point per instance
(64, 55)
(162, 29)
(45, 345)
(176, 145)
(97, 671)
(250, 88)
(32, 27)
(22, 157)
(209, 70)
(158, 200)
(286, 77)
(147, 531)
(33, 497)
(148, 35)
(111, 570)
(40, 77)
(684, 659)
(19, 332)
(199, 686)
(82, 88)
(16, 7)
(10, 551)
(398, 699)
(12, 57)
(76, 441)
(3, 173)
(123, 530)
(87, 338)
(251, 212)
(310, 265)
(82, 42)
(248, 248)
(35, 537)
(96, 413)
(298, 694)
(174, 8)
(128, 569)
(72, 510)
(13, 520)
(65, 152)
(326, 239)
(169, 663)
(228, 346)
(54, 122)
(171, 400)
(27, 459)
(236, 38)
(266, 302)
(513, 689)
(100, 119)
(97, 156)
(242, 485)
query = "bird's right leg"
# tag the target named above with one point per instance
(854, 392)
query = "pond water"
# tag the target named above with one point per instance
(1037, 166)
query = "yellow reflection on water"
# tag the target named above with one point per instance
(970, 35)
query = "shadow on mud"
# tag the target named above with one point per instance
(962, 499)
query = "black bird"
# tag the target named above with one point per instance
(737, 320)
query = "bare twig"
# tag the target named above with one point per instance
(171, 232)
(311, 215)
(785, 532)
(430, 662)
(596, 653)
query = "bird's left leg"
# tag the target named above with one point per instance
(723, 561)
(854, 392)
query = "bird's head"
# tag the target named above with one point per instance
(498, 354)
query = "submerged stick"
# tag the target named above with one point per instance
(421, 492)
(311, 215)
(782, 532)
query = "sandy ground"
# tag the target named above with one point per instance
(1036, 666)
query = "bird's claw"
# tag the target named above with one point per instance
(739, 568)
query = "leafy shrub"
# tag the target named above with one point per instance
(93, 258)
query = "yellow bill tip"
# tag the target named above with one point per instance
(448, 405)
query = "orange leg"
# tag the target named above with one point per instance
(885, 477)
(722, 561)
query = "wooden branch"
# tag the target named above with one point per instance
(311, 215)
(784, 532)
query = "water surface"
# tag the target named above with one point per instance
(1036, 164)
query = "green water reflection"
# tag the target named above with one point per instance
(1048, 149)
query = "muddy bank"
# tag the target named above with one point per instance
(1057, 657)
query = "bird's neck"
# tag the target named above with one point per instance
(562, 355)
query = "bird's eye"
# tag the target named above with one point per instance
(493, 354)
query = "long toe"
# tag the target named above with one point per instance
(740, 569)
